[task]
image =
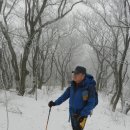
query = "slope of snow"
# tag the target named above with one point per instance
(25, 113)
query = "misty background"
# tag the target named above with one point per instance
(42, 41)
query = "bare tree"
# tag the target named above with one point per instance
(32, 15)
(120, 15)
(3, 83)
(62, 61)
(95, 37)
(4, 28)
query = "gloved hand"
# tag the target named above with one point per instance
(78, 117)
(51, 103)
(81, 118)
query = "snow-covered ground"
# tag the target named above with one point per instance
(25, 113)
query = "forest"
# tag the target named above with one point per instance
(42, 41)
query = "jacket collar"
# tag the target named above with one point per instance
(87, 78)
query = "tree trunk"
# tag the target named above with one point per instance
(63, 82)
(13, 54)
(24, 71)
(120, 78)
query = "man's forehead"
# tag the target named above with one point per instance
(76, 74)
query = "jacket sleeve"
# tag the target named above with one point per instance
(91, 101)
(63, 97)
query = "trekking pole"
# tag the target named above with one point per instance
(48, 118)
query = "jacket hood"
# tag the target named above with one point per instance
(89, 76)
(89, 80)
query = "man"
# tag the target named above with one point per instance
(81, 94)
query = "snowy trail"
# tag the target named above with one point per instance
(28, 114)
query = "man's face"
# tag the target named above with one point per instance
(78, 77)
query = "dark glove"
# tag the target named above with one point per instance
(51, 103)
(81, 118)
(78, 117)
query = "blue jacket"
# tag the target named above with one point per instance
(81, 98)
